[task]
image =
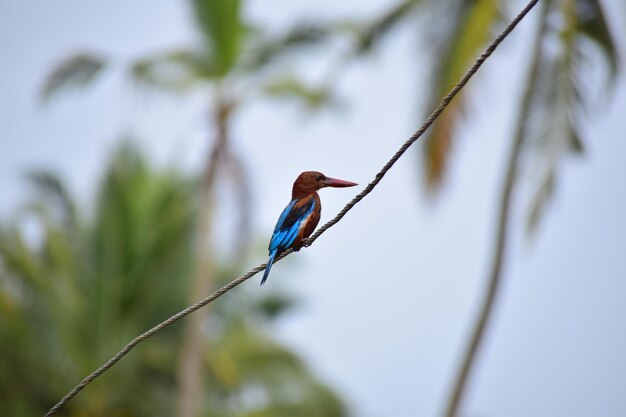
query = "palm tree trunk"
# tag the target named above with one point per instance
(501, 238)
(190, 380)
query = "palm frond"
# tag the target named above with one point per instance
(173, 72)
(562, 94)
(78, 296)
(262, 50)
(291, 88)
(20, 260)
(371, 34)
(460, 42)
(49, 186)
(222, 29)
(592, 23)
(73, 73)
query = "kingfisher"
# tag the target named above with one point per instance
(302, 214)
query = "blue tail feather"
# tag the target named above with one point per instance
(269, 266)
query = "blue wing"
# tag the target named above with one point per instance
(287, 228)
(289, 224)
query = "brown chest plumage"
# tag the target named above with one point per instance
(310, 224)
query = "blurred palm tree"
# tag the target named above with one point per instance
(573, 47)
(75, 287)
(233, 62)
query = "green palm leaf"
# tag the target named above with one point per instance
(222, 29)
(558, 102)
(369, 36)
(54, 191)
(70, 301)
(592, 23)
(289, 87)
(460, 41)
(173, 72)
(75, 72)
(262, 51)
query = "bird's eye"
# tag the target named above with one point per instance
(320, 178)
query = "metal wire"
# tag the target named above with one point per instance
(379, 176)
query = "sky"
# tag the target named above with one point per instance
(391, 291)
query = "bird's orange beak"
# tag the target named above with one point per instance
(334, 182)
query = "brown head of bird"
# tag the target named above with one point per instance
(310, 181)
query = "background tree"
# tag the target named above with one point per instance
(232, 63)
(89, 281)
(572, 37)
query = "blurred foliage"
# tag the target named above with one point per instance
(311, 97)
(458, 46)
(231, 63)
(237, 53)
(77, 286)
(220, 23)
(579, 39)
(453, 46)
(73, 73)
(564, 90)
(572, 37)
(232, 60)
(239, 58)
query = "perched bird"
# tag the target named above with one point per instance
(302, 214)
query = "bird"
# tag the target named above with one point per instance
(302, 214)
